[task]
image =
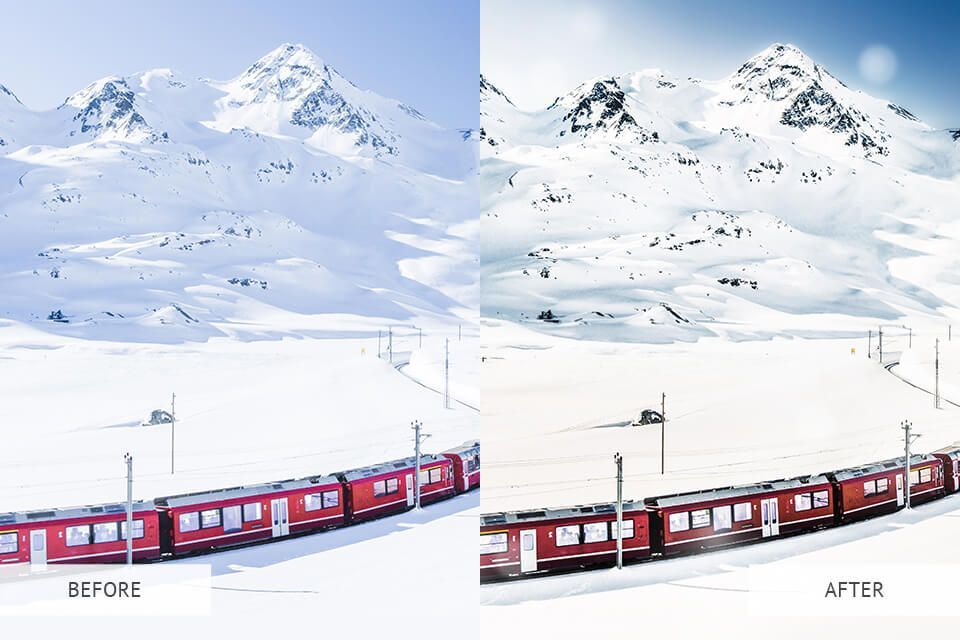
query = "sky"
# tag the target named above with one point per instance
(425, 53)
(906, 52)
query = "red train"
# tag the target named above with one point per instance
(202, 521)
(517, 544)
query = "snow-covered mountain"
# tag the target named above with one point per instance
(285, 200)
(776, 200)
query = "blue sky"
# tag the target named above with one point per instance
(424, 53)
(537, 49)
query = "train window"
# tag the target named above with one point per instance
(493, 543)
(331, 499)
(821, 499)
(137, 529)
(679, 521)
(803, 501)
(722, 518)
(9, 542)
(436, 475)
(105, 532)
(252, 512)
(926, 474)
(424, 478)
(78, 535)
(742, 511)
(568, 535)
(627, 529)
(189, 521)
(393, 485)
(700, 518)
(209, 518)
(313, 501)
(869, 488)
(882, 485)
(232, 519)
(379, 488)
(914, 478)
(595, 532)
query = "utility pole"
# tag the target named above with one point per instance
(618, 459)
(379, 337)
(416, 425)
(907, 438)
(173, 425)
(936, 376)
(910, 343)
(420, 340)
(870, 343)
(663, 428)
(129, 460)
(446, 374)
(459, 333)
(881, 344)
(390, 344)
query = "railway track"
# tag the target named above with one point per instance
(890, 366)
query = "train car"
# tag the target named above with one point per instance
(694, 521)
(466, 465)
(90, 534)
(383, 489)
(225, 517)
(875, 489)
(526, 542)
(950, 459)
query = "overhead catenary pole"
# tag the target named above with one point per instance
(129, 460)
(906, 425)
(420, 339)
(416, 425)
(910, 343)
(390, 344)
(173, 425)
(663, 429)
(870, 343)
(936, 375)
(618, 459)
(880, 332)
(379, 338)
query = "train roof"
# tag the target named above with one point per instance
(952, 452)
(45, 515)
(466, 449)
(513, 517)
(387, 467)
(200, 497)
(886, 465)
(693, 497)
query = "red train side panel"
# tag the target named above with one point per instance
(91, 534)
(690, 522)
(466, 465)
(950, 458)
(878, 488)
(238, 515)
(522, 543)
(388, 488)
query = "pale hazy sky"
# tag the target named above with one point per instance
(425, 53)
(535, 50)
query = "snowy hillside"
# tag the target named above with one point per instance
(287, 200)
(774, 201)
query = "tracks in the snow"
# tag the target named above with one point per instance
(889, 367)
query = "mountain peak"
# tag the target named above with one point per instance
(488, 90)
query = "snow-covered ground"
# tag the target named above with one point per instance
(556, 410)
(554, 414)
(246, 412)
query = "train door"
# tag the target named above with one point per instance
(956, 476)
(770, 517)
(900, 497)
(409, 489)
(38, 547)
(279, 519)
(528, 550)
